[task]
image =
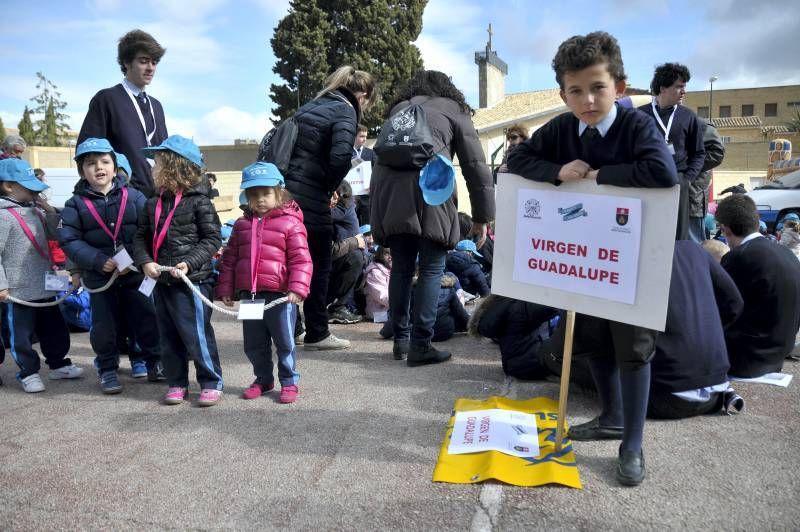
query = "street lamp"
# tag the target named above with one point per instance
(711, 80)
(297, 75)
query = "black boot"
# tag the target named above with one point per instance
(421, 355)
(400, 349)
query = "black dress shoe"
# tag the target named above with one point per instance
(400, 349)
(592, 430)
(630, 467)
(419, 356)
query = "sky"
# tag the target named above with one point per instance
(214, 79)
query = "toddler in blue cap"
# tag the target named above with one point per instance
(26, 273)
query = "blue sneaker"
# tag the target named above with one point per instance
(109, 383)
(138, 369)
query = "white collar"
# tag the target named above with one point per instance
(751, 236)
(602, 126)
(131, 88)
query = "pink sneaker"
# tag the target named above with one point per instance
(288, 394)
(175, 396)
(256, 390)
(209, 397)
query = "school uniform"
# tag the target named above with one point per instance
(89, 245)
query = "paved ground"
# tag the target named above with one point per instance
(358, 450)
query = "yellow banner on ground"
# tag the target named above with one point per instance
(550, 467)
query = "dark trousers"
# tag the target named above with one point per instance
(664, 405)
(345, 273)
(277, 326)
(184, 326)
(123, 303)
(315, 306)
(405, 249)
(682, 231)
(48, 325)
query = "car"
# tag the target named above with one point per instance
(777, 198)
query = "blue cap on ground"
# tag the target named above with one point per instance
(468, 245)
(180, 145)
(791, 216)
(19, 171)
(365, 229)
(262, 174)
(93, 145)
(122, 162)
(437, 180)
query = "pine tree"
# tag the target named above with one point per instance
(318, 36)
(52, 127)
(2, 129)
(25, 127)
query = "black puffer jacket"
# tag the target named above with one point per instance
(322, 154)
(464, 266)
(193, 236)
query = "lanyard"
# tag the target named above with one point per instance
(158, 238)
(255, 254)
(30, 235)
(149, 137)
(358, 152)
(120, 215)
(660, 123)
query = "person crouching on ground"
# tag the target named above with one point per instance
(267, 258)
(180, 228)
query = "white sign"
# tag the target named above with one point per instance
(359, 178)
(630, 271)
(506, 431)
(582, 243)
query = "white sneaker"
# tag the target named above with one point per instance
(67, 372)
(331, 343)
(300, 339)
(33, 383)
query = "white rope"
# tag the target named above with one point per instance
(12, 299)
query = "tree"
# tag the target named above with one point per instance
(318, 36)
(51, 128)
(25, 127)
(2, 129)
(794, 124)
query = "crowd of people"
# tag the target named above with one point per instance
(141, 234)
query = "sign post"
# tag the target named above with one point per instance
(566, 366)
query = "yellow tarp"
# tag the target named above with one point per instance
(549, 467)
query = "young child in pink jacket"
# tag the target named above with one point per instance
(377, 288)
(267, 258)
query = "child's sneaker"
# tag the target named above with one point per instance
(256, 390)
(288, 394)
(109, 383)
(156, 373)
(175, 395)
(209, 397)
(67, 372)
(33, 383)
(138, 369)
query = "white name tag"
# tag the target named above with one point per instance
(55, 282)
(380, 317)
(670, 148)
(251, 310)
(147, 286)
(122, 259)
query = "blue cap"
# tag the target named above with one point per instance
(762, 226)
(468, 245)
(364, 229)
(122, 162)
(93, 145)
(180, 145)
(437, 180)
(261, 174)
(791, 216)
(19, 171)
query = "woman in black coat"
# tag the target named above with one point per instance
(320, 160)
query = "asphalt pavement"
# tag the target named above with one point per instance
(357, 452)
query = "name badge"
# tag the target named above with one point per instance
(251, 310)
(147, 286)
(123, 259)
(56, 283)
(670, 148)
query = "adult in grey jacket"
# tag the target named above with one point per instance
(698, 189)
(412, 229)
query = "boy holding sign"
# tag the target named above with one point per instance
(615, 146)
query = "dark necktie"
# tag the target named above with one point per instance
(588, 139)
(144, 106)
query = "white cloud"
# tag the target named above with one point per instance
(221, 126)
(453, 60)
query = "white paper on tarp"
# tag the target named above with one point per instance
(517, 225)
(359, 178)
(775, 379)
(582, 243)
(506, 431)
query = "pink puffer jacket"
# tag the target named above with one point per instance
(377, 289)
(284, 263)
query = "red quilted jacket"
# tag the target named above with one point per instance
(284, 263)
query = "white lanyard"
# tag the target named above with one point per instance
(149, 137)
(358, 152)
(660, 123)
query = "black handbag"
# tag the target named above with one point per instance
(278, 144)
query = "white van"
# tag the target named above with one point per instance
(778, 198)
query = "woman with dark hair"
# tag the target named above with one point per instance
(320, 160)
(417, 232)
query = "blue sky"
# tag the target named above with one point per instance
(215, 78)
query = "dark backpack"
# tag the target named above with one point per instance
(405, 141)
(278, 144)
